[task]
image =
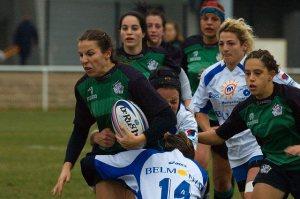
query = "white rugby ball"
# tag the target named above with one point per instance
(130, 116)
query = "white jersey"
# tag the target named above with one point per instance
(224, 89)
(186, 123)
(283, 78)
(153, 174)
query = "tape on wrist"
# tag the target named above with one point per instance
(249, 187)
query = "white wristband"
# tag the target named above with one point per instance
(249, 187)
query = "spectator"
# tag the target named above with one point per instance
(25, 37)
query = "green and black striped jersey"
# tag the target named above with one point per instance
(95, 98)
(149, 60)
(274, 121)
(198, 56)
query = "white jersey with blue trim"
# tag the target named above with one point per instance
(283, 78)
(153, 174)
(186, 123)
(223, 89)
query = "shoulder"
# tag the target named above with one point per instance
(129, 71)
(288, 92)
(184, 111)
(195, 39)
(158, 49)
(81, 81)
(212, 71)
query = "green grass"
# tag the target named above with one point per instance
(32, 148)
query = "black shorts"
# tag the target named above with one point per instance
(221, 149)
(279, 178)
(88, 170)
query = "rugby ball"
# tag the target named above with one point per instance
(130, 116)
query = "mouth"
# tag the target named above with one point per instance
(88, 69)
(226, 55)
(129, 39)
(153, 36)
(252, 87)
(209, 29)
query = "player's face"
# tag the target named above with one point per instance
(94, 62)
(259, 79)
(170, 32)
(131, 32)
(231, 49)
(171, 95)
(209, 25)
(155, 29)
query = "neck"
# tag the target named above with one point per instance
(151, 44)
(210, 40)
(133, 50)
(267, 92)
(107, 67)
(231, 67)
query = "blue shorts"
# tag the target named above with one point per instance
(240, 172)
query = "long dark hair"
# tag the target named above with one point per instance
(141, 20)
(181, 142)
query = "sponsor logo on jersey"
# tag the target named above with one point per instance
(277, 110)
(252, 121)
(152, 65)
(265, 168)
(228, 88)
(195, 56)
(177, 163)
(92, 96)
(213, 95)
(118, 88)
(151, 170)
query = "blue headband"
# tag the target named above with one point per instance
(213, 10)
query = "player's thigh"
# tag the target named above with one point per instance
(202, 155)
(113, 190)
(221, 172)
(252, 172)
(265, 191)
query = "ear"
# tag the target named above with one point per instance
(107, 54)
(272, 74)
(245, 47)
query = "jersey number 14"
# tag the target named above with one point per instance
(181, 191)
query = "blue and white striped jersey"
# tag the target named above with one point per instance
(154, 174)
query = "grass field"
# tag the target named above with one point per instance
(32, 147)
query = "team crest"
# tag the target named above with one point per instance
(265, 168)
(152, 65)
(118, 88)
(251, 116)
(228, 88)
(277, 110)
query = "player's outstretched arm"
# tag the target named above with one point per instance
(210, 137)
(293, 150)
(65, 176)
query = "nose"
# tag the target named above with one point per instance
(83, 59)
(251, 77)
(128, 31)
